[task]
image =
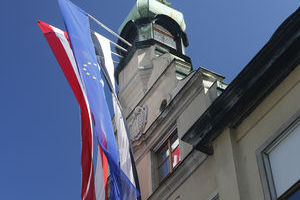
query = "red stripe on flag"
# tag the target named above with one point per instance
(86, 130)
(104, 168)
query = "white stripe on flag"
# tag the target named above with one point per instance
(99, 186)
(123, 143)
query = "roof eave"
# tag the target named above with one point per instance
(263, 73)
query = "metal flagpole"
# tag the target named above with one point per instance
(113, 43)
(109, 30)
(112, 60)
(118, 46)
(113, 53)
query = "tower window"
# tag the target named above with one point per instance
(168, 156)
(164, 36)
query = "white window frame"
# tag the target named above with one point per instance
(262, 155)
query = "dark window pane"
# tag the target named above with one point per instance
(164, 169)
(295, 195)
(162, 154)
(168, 156)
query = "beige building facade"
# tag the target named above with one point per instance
(194, 137)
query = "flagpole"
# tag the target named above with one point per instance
(113, 43)
(109, 30)
(115, 54)
(118, 46)
(103, 58)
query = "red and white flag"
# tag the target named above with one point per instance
(59, 43)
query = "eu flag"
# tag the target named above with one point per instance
(78, 28)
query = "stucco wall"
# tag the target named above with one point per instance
(226, 170)
(188, 118)
(200, 185)
(276, 109)
(139, 75)
(145, 172)
(266, 119)
(232, 171)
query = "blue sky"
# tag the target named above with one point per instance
(40, 124)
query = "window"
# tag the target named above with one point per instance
(293, 193)
(279, 164)
(285, 161)
(168, 156)
(144, 32)
(162, 35)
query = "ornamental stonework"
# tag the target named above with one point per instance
(138, 121)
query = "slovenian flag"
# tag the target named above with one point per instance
(127, 164)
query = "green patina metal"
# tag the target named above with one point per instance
(150, 8)
(164, 2)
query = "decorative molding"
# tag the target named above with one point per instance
(138, 121)
(270, 66)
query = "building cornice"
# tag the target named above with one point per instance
(259, 78)
(189, 89)
(142, 45)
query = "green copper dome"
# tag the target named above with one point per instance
(149, 8)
